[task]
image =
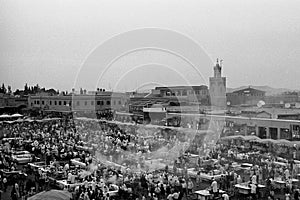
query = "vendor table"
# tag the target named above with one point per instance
(36, 165)
(280, 164)
(6, 172)
(243, 188)
(210, 177)
(205, 194)
(63, 183)
(246, 165)
(112, 193)
(76, 162)
(279, 183)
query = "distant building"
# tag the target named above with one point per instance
(248, 96)
(100, 101)
(286, 97)
(11, 103)
(256, 114)
(188, 94)
(217, 88)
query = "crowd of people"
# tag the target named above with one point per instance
(116, 160)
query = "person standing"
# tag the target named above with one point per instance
(214, 186)
(296, 195)
(225, 196)
(190, 186)
(253, 188)
(4, 184)
(13, 194)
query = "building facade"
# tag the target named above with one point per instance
(188, 94)
(80, 102)
(12, 104)
(248, 96)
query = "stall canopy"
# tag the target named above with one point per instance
(17, 115)
(270, 141)
(52, 195)
(232, 137)
(251, 138)
(284, 142)
(241, 137)
(5, 116)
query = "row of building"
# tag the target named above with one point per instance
(215, 95)
(244, 111)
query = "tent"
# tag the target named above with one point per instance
(52, 195)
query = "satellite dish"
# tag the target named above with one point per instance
(297, 105)
(261, 103)
(287, 105)
(228, 103)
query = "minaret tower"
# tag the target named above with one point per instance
(217, 88)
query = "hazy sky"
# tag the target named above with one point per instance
(48, 41)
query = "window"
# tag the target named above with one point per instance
(114, 102)
(107, 102)
(59, 103)
(85, 103)
(98, 103)
(55, 102)
(38, 102)
(120, 102)
(43, 102)
(70, 103)
(92, 103)
(184, 93)
(50, 102)
(78, 103)
(65, 103)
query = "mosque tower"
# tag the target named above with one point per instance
(217, 88)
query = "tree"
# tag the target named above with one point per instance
(3, 89)
(9, 89)
(26, 88)
(17, 92)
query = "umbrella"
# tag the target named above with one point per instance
(52, 195)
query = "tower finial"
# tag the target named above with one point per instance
(217, 61)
